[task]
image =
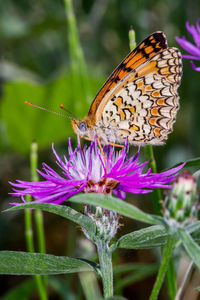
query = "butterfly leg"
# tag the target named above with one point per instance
(79, 139)
(101, 149)
(117, 145)
(85, 138)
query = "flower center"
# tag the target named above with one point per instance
(104, 186)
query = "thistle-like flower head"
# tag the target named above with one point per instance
(88, 170)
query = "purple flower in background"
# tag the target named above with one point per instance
(88, 170)
(194, 50)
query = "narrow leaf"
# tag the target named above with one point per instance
(24, 263)
(118, 205)
(146, 238)
(194, 230)
(63, 211)
(190, 163)
(193, 227)
(192, 248)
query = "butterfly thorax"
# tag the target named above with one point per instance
(87, 128)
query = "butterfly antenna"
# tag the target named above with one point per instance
(67, 110)
(51, 111)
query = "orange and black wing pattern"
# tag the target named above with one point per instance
(153, 44)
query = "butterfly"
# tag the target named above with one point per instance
(139, 101)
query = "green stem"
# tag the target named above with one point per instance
(105, 261)
(171, 280)
(156, 193)
(28, 227)
(41, 280)
(40, 287)
(81, 87)
(40, 231)
(38, 213)
(166, 255)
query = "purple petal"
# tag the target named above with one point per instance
(192, 30)
(190, 57)
(189, 47)
(194, 67)
(172, 171)
(198, 25)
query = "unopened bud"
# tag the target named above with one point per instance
(180, 207)
(106, 223)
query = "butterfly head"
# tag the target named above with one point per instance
(80, 127)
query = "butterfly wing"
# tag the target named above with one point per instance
(144, 104)
(153, 44)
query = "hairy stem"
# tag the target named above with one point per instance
(105, 261)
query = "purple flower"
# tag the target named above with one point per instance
(88, 170)
(194, 50)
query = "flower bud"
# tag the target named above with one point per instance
(180, 207)
(106, 223)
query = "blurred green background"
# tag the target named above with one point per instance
(38, 64)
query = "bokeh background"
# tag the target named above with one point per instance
(38, 64)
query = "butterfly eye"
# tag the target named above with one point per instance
(82, 126)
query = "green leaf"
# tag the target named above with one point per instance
(24, 263)
(22, 291)
(192, 248)
(190, 163)
(194, 230)
(146, 238)
(63, 211)
(193, 227)
(118, 205)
